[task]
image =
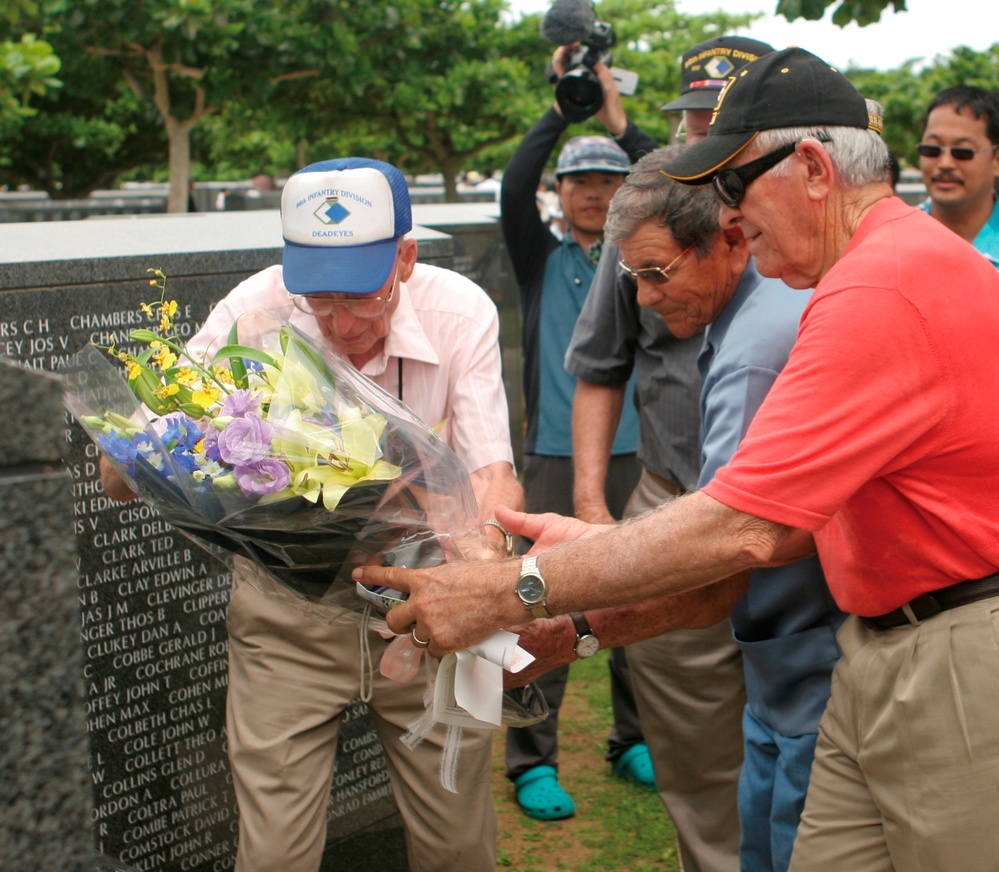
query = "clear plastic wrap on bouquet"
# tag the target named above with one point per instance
(280, 453)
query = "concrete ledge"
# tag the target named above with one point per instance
(118, 248)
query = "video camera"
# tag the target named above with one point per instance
(578, 92)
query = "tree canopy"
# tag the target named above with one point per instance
(861, 11)
(177, 89)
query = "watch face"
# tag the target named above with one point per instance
(587, 646)
(531, 589)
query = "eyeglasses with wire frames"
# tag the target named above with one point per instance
(656, 275)
(366, 308)
(731, 184)
(958, 152)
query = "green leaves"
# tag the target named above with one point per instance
(430, 85)
(244, 352)
(28, 69)
(862, 12)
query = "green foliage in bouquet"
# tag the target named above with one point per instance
(218, 414)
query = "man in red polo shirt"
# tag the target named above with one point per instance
(876, 446)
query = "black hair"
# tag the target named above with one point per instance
(894, 169)
(981, 102)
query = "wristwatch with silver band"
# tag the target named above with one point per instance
(531, 588)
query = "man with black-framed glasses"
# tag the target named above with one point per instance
(959, 159)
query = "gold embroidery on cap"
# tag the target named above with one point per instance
(721, 98)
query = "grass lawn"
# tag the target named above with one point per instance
(618, 826)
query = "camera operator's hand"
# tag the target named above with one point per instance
(611, 114)
(558, 61)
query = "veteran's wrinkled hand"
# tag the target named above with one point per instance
(459, 604)
(547, 530)
(455, 604)
(552, 643)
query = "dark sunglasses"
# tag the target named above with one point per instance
(731, 184)
(958, 152)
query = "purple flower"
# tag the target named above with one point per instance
(262, 477)
(245, 440)
(211, 445)
(239, 404)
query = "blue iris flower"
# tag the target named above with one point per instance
(118, 447)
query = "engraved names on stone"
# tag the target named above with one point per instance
(153, 607)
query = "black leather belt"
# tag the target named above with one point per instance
(931, 604)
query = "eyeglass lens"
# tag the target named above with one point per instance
(366, 308)
(731, 184)
(656, 275)
(958, 152)
(370, 307)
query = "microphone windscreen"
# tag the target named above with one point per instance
(568, 21)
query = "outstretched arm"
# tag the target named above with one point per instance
(686, 544)
(552, 642)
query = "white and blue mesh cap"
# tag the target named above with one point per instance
(341, 220)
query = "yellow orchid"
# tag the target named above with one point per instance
(163, 357)
(327, 463)
(166, 391)
(207, 395)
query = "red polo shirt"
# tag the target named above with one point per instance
(882, 433)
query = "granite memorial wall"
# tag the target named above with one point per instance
(46, 801)
(151, 603)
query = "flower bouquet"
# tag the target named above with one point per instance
(274, 451)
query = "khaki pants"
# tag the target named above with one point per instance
(690, 692)
(290, 679)
(906, 772)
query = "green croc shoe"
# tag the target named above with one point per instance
(541, 796)
(635, 764)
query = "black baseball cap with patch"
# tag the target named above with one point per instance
(789, 88)
(707, 66)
